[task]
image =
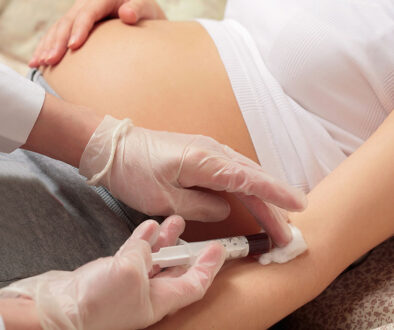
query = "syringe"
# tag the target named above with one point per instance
(236, 247)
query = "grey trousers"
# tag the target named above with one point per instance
(51, 219)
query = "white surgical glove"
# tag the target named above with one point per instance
(117, 292)
(155, 172)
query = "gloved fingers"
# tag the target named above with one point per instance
(148, 230)
(229, 175)
(134, 10)
(172, 272)
(172, 291)
(170, 230)
(140, 242)
(132, 252)
(201, 206)
(273, 191)
(269, 217)
(241, 159)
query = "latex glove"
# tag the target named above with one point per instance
(155, 172)
(72, 30)
(116, 292)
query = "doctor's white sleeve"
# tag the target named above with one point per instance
(2, 326)
(20, 104)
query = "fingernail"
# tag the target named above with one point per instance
(51, 54)
(41, 61)
(287, 236)
(304, 201)
(148, 231)
(177, 223)
(32, 62)
(301, 198)
(226, 210)
(128, 14)
(72, 41)
(284, 236)
(129, 8)
(45, 55)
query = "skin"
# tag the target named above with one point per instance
(56, 123)
(178, 91)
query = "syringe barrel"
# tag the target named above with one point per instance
(242, 246)
(236, 247)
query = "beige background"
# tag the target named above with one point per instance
(23, 22)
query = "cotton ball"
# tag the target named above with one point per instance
(284, 254)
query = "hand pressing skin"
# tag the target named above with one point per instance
(157, 173)
(72, 30)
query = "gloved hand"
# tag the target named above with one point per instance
(72, 30)
(117, 292)
(155, 172)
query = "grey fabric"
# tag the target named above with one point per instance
(50, 219)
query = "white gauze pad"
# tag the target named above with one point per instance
(284, 254)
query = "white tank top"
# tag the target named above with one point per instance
(334, 58)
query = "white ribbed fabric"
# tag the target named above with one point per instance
(2, 325)
(335, 58)
(313, 79)
(280, 129)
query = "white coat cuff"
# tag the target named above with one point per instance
(2, 326)
(20, 104)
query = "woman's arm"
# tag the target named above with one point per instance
(349, 212)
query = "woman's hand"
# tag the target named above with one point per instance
(72, 30)
(117, 292)
(156, 172)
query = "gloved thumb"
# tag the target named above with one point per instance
(140, 243)
(179, 288)
(201, 206)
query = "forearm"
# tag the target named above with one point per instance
(19, 314)
(350, 212)
(62, 130)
